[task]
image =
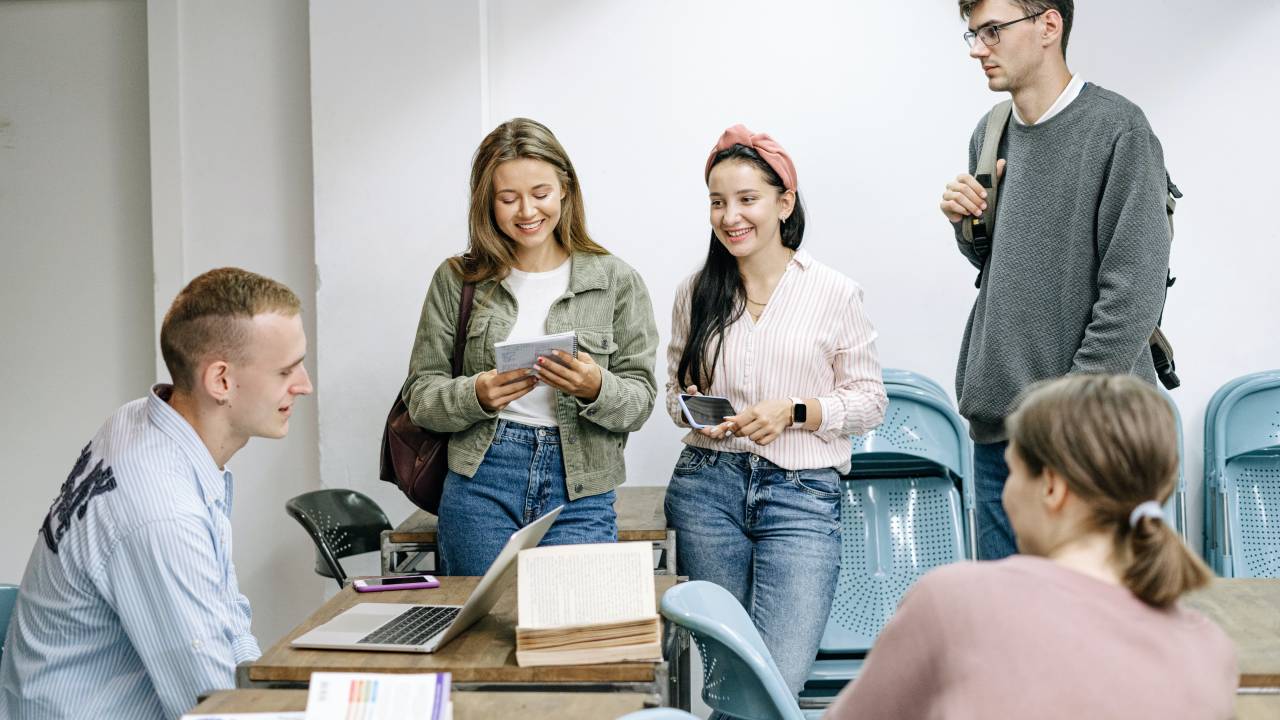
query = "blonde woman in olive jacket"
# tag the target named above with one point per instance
(524, 443)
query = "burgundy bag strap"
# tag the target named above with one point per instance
(464, 320)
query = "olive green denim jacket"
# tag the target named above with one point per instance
(607, 304)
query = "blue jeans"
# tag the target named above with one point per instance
(521, 479)
(769, 536)
(995, 534)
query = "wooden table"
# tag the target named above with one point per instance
(640, 518)
(1249, 611)
(482, 658)
(1258, 707)
(466, 705)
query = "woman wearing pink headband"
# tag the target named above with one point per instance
(755, 498)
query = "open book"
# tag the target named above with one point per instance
(587, 604)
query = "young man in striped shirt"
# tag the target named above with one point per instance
(130, 607)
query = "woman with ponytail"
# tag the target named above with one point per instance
(1085, 623)
(755, 499)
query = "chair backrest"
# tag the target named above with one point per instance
(1211, 437)
(8, 597)
(907, 377)
(739, 676)
(1214, 518)
(892, 531)
(1175, 508)
(1246, 477)
(340, 522)
(917, 425)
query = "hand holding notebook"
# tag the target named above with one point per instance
(516, 354)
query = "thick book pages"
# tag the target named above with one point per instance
(514, 354)
(587, 604)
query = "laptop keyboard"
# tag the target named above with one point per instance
(414, 626)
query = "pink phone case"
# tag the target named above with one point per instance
(417, 583)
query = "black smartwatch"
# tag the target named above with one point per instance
(799, 412)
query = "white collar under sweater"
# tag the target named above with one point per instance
(1068, 94)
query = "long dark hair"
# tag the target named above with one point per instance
(718, 297)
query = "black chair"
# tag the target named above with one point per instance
(341, 523)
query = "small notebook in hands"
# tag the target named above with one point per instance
(400, 627)
(516, 354)
(587, 604)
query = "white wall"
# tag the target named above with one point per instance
(232, 182)
(874, 101)
(75, 278)
(396, 93)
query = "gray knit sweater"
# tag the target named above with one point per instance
(1075, 281)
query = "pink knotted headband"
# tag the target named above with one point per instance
(766, 147)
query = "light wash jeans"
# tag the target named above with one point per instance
(769, 536)
(995, 534)
(521, 479)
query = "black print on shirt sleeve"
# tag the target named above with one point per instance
(73, 498)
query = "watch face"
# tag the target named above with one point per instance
(800, 413)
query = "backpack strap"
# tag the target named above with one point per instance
(978, 231)
(464, 321)
(1161, 348)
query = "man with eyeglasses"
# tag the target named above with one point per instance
(1074, 278)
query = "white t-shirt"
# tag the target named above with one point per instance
(535, 292)
(1065, 98)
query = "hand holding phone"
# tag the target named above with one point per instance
(396, 582)
(705, 411)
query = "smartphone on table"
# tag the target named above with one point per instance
(706, 410)
(396, 582)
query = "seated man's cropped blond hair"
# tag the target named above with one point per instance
(209, 318)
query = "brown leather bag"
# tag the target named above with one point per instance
(417, 460)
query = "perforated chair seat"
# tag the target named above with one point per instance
(1242, 477)
(892, 532)
(1253, 482)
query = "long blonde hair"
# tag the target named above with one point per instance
(1113, 439)
(492, 253)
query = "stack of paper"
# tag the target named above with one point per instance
(587, 604)
(374, 696)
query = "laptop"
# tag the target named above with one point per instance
(402, 627)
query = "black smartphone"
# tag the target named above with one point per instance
(705, 410)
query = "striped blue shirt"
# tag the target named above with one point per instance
(129, 606)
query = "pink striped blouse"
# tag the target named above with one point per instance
(813, 340)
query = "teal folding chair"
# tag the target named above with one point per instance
(739, 676)
(1242, 477)
(898, 376)
(1175, 508)
(8, 597)
(907, 506)
(341, 523)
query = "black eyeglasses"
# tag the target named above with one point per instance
(990, 34)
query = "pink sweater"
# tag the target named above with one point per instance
(1025, 637)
